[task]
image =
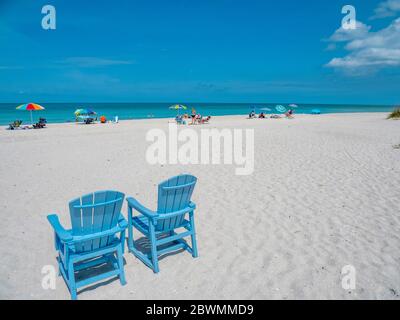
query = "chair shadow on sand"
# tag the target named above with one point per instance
(94, 271)
(143, 245)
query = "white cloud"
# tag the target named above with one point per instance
(342, 35)
(388, 8)
(369, 57)
(93, 62)
(369, 51)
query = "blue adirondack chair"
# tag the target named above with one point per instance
(96, 221)
(159, 226)
(179, 120)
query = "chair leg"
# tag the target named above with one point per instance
(171, 234)
(130, 230)
(121, 265)
(193, 236)
(58, 263)
(154, 256)
(123, 241)
(71, 280)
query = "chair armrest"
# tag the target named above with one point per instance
(133, 203)
(123, 224)
(189, 209)
(192, 205)
(63, 234)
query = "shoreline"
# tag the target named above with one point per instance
(296, 115)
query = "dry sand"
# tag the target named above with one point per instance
(325, 194)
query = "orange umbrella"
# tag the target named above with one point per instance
(30, 107)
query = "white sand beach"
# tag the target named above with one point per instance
(324, 194)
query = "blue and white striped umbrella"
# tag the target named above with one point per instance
(280, 108)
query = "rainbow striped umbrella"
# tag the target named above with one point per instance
(30, 107)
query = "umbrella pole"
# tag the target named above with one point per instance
(31, 118)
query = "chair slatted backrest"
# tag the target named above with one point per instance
(94, 213)
(174, 195)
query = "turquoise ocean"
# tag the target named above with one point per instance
(64, 112)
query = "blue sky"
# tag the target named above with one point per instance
(200, 51)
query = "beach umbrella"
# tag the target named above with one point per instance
(84, 117)
(280, 108)
(178, 107)
(83, 111)
(30, 107)
(78, 112)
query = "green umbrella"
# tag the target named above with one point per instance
(83, 111)
(178, 107)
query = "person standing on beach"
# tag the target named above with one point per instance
(193, 115)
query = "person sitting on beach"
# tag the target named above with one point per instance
(15, 125)
(41, 124)
(198, 119)
(103, 119)
(262, 115)
(38, 125)
(289, 114)
(252, 115)
(206, 120)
